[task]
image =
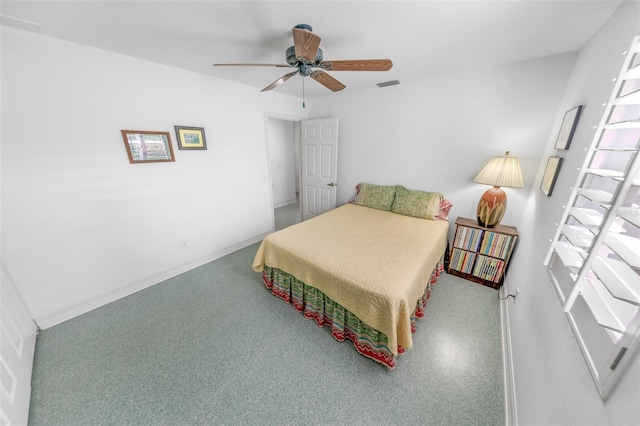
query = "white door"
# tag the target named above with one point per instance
(319, 166)
(17, 347)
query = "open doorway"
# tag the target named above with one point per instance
(283, 152)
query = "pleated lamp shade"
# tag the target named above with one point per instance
(501, 171)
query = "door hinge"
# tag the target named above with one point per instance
(618, 358)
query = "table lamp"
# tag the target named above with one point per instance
(501, 171)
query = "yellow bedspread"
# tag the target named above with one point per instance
(373, 262)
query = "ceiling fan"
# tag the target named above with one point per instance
(306, 56)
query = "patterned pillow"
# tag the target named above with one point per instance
(445, 208)
(421, 204)
(375, 196)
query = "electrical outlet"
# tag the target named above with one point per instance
(517, 293)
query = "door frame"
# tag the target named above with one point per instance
(284, 117)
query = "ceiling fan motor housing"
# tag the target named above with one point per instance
(294, 61)
(304, 27)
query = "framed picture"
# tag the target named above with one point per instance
(148, 147)
(190, 137)
(550, 175)
(568, 128)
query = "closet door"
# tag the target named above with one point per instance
(17, 347)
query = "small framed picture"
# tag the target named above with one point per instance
(147, 146)
(550, 175)
(190, 137)
(568, 128)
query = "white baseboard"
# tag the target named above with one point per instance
(285, 203)
(510, 409)
(67, 314)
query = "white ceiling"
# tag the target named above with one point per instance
(422, 38)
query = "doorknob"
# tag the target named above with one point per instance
(332, 184)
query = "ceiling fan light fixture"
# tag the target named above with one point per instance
(388, 83)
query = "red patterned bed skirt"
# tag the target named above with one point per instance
(344, 324)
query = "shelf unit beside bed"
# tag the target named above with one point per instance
(481, 254)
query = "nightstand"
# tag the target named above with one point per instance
(481, 254)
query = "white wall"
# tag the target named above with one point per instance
(281, 153)
(80, 225)
(436, 134)
(553, 383)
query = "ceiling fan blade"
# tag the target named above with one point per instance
(327, 81)
(306, 44)
(357, 65)
(279, 81)
(253, 65)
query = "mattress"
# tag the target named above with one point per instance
(375, 263)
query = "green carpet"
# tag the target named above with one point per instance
(213, 346)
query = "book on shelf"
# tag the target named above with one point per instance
(488, 268)
(496, 245)
(467, 238)
(462, 260)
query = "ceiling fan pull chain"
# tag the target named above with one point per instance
(303, 106)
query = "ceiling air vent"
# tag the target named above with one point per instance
(388, 83)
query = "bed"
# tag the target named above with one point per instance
(364, 269)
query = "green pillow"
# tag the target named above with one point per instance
(375, 196)
(421, 204)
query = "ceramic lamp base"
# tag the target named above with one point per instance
(491, 207)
